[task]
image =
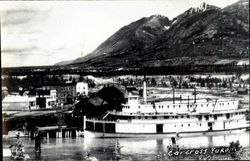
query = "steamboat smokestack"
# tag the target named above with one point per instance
(194, 95)
(144, 90)
(173, 96)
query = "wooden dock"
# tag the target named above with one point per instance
(59, 132)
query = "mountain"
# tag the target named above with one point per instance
(133, 37)
(203, 35)
(64, 62)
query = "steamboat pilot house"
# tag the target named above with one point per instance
(184, 116)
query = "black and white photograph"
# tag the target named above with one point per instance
(125, 80)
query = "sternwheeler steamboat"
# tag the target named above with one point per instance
(142, 118)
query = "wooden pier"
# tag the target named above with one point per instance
(58, 132)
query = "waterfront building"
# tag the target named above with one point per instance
(108, 98)
(18, 103)
(82, 88)
(66, 92)
(131, 89)
(46, 98)
(4, 92)
(242, 91)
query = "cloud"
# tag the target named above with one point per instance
(17, 16)
(20, 51)
(43, 33)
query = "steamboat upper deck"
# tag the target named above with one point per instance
(185, 116)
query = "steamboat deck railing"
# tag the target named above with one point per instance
(176, 113)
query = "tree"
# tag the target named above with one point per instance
(131, 82)
(185, 84)
(80, 78)
(230, 84)
(202, 84)
(238, 149)
(209, 85)
(238, 74)
(70, 78)
(224, 84)
(153, 82)
(174, 83)
(74, 80)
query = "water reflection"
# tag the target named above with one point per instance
(159, 145)
(131, 148)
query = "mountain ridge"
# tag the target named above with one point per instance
(128, 33)
(203, 35)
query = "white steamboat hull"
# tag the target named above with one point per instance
(95, 134)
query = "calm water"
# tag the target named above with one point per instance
(131, 148)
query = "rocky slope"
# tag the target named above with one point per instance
(64, 62)
(131, 38)
(204, 35)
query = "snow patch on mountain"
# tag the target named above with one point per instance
(166, 27)
(203, 7)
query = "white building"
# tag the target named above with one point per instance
(51, 99)
(18, 103)
(4, 91)
(46, 98)
(82, 88)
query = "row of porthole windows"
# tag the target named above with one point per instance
(132, 98)
(201, 124)
(172, 106)
(221, 104)
(232, 121)
(187, 125)
(159, 117)
(238, 113)
(179, 106)
(186, 116)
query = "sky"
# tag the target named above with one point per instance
(46, 32)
